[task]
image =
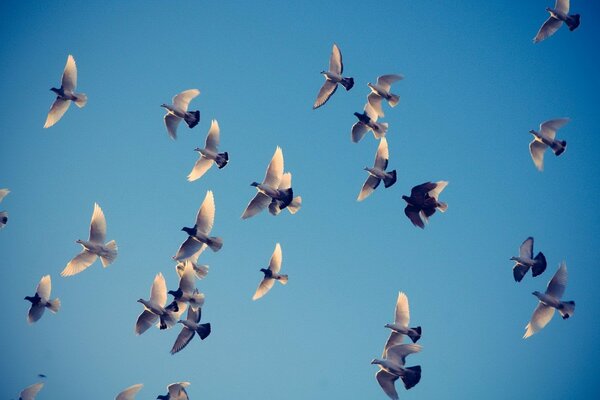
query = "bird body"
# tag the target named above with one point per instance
(179, 111)
(333, 76)
(558, 15)
(276, 205)
(41, 300)
(187, 292)
(65, 94)
(525, 260)
(546, 137)
(381, 91)
(423, 202)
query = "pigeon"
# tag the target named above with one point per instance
(41, 300)
(155, 309)
(269, 190)
(381, 90)
(66, 94)
(295, 204)
(549, 301)
(367, 121)
(423, 202)
(130, 392)
(94, 247)
(544, 138)
(209, 154)
(558, 15)
(200, 269)
(391, 367)
(176, 391)
(332, 78)
(400, 325)
(179, 110)
(3, 214)
(187, 292)
(198, 235)
(190, 326)
(30, 392)
(378, 172)
(271, 274)
(525, 260)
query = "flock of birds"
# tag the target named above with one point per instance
(275, 193)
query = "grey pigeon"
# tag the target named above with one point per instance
(545, 138)
(332, 77)
(558, 15)
(378, 172)
(423, 202)
(41, 300)
(179, 111)
(525, 260)
(391, 367)
(191, 326)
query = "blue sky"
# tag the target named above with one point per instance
(474, 85)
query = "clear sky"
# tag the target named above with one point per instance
(474, 85)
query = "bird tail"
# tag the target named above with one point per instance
(53, 305)
(197, 299)
(80, 100)
(169, 318)
(347, 83)
(559, 147)
(295, 205)
(566, 309)
(222, 160)
(389, 180)
(442, 206)
(203, 330)
(215, 243)
(192, 118)
(519, 271)
(572, 22)
(288, 197)
(201, 271)
(414, 334)
(3, 218)
(381, 130)
(283, 279)
(111, 253)
(393, 100)
(411, 376)
(540, 264)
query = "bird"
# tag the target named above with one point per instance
(558, 15)
(367, 121)
(30, 392)
(423, 202)
(332, 77)
(209, 154)
(41, 300)
(198, 234)
(391, 367)
(549, 301)
(400, 325)
(176, 391)
(3, 214)
(179, 110)
(381, 90)
(544, 138)
(94, 247)
(187, 292)
(130, 392)
(66, 94)
(154, 309)
(200, 270)
(295, 204)
(525, 260)
(378, 173)
(271, 274)
(269, 190)
(190, 326)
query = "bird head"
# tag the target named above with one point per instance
(197, 149)
(255, 184)
(189, 231)
(79, 241)
(536, 293)
(141, 301)
(323, 72)
(28, 298)
(406, 198)
(55, 90)
(376, 361)
(388, 326)
(513, 258)
(163, 105)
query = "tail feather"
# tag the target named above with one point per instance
(566, 309)
(110, 255)
(519, 271)
(573, 22)
(393, 100)
(559, 148)
(414, 334)
(192, 118)
(203, 330)
(81, 100)
(390, 180)
(222, 160)
(295, 205)
(53, 305)
(540, 264)
(379, 133)
(412, 376)
(442, 206)
(347, 83)
(283, 279)
(215, 243)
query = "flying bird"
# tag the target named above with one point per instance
(525, 260)
(544, 138)
(391, 367)
(187, 292)
(550, 301)
(271, 274)
(381, 90)
(154, 309)
(423, 202)
(66, 94)
(41, 300)
(378, 173)
(130, 392)
(332, 78)
(30, 392)
(275, 206)
(209, 154)
(367, 121)
(558, 15)
(3, 214)
(198, 234)
(191, 325)
(269, 190)
(176, 391)
(179, 110)
(400, 325)
(94, 247)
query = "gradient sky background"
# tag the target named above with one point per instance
(474, 85)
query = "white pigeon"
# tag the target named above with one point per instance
(94, 247)
(400, 325)
(378, 173)
(65, 94)
(295, 204)
(176, 391)
(269, 190)
(130, 392)
(367, 121)
(201, 270)
(155, 310)
(30, 392)
(3, 214)
(546, 138)
(391, 367)
(179, 110)
(525, 260)
(271, 274)
(187, 292)
(381, 90)
(209, 154)
(41, 300)
(558, 15)
(191, 326)
(332, 78)
(550, 301)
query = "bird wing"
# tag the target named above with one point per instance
(69, 77)
(368, 187)
(57, 110)
(275, 169)
(30, 392)
(3, 193)
(402, 313)
(548, 29)
(256, 205)
(420, 190)
(286, 181)
(98, 225)
(202, 165)
(194, 315)
(206, 214)
(145, 321)
(375, 101)
(177, 390)
(558, 283)
(130, 392)
(213, 137)
(80, 262)
(385, 81)
(44, 288)
(526, 249)
(187, 281)
(158, 293)
(439, 186)
(35, 312)
(540, 318)
(265, 285)
(548, 129)
(359, 130)
(335, 61)
(413, 213)
(562, 6)
(276, 258)
(326, 91)
(537, 150)
(382, 155)
(184, 337)
(189, 248)
(182, 100)
(399, 352)
(172, 122)
(386, 381)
